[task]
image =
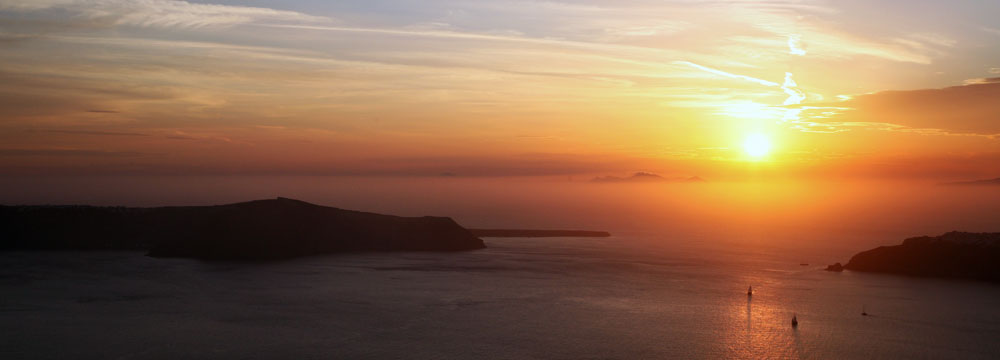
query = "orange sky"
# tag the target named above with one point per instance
(506, 88)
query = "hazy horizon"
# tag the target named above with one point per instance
(775, 212)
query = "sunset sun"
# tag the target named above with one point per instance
(757, 145)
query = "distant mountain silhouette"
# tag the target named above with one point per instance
(988, 182)
(262, 229)
(644, 177)
(954, 254)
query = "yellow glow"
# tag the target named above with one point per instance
(751, 110)
(757, 145)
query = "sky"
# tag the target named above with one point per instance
(853, 89)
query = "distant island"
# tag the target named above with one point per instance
(644, 177)
(987, 182)
(953, 255)
(254, 230)
(537, 233)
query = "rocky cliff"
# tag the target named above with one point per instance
(954, 254)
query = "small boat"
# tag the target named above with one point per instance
(750, 291)
(795, 321)
(863, 312)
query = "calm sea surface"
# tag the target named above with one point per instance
(625, 297)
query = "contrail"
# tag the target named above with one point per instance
(723, 73)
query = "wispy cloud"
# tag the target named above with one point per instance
(726, 74)
(158, 13)
(795, 45)
(965, 110)
(90, 132)
(68, 152)
(990, 30)
(980, 81)
(795, 96)
(446, 34)
(431, 78)
(934, 39)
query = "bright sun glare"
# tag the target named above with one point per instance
(757, 145)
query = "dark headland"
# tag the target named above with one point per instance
(953, 255)
(254, 230)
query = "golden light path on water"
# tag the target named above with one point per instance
(759, 328)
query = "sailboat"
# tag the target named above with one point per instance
(863, 312)
(750, 291)
(795, 321)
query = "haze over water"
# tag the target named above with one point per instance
(812, 213)
(670, 283)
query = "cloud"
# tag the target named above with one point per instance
(979, 81)
(963, 165)
(67, 152)
(990, 30)
(89, 132)
(663, 28)
(795, 45)
(934, 39)
(28, 93)
(971, 108)
(24, 161)
(156, 13)
(6, 37)
(410, 77)
(795, 96)
(726, 74)
(447, 34)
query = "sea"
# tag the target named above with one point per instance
(629, 296)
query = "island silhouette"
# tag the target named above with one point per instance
(955, 254)
(253, 230)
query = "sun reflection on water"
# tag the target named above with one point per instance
(760, 329)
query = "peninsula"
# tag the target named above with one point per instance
(254, 230)
(954, 255)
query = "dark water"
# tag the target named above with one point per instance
(633, 297)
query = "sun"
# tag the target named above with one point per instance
(757, 145)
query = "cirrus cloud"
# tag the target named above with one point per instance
(157, 13)
(966, 109)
